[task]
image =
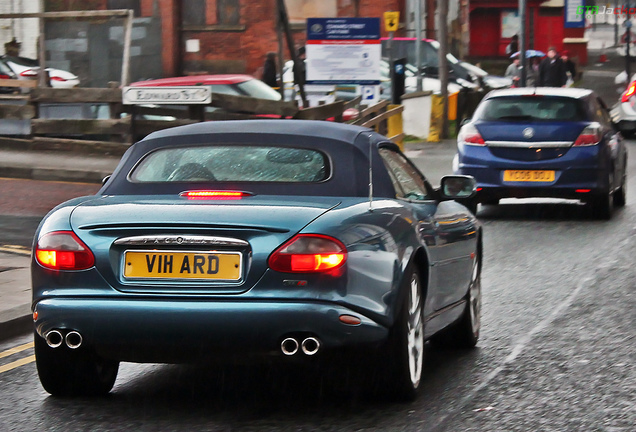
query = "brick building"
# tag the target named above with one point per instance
(218, 36)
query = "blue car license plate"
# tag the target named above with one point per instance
(528, 176)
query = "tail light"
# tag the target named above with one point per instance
(29, 73)
(590, 136)
(630, 92)
(309, 253)
(470, 135)
(58, 78)
(4, 76)
(63, 250)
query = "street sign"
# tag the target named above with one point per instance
(391, 21)
(182, 95)
(370, 94)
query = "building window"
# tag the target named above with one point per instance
(125, 4)
(510, 24)
(299, 10)
(228, 12)
(193, 12)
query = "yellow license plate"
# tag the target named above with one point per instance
(528, 176)
(182, 265)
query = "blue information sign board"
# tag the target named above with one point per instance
(343, 28)
(343, 51)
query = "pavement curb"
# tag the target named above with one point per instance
(52, 174)
(15, 292)
(18, 326)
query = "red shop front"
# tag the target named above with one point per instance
(493, 23)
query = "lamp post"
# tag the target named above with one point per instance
(522, 42)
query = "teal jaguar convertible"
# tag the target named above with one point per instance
(259, 239)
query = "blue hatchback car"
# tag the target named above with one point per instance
(544, 142)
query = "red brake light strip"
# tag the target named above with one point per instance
(214, 195)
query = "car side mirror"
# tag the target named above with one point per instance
(465, 121)
(458, 187)
(105, 179)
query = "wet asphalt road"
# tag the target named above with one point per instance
(556, 353)
(23, 203)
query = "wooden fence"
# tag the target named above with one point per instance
(124, 124)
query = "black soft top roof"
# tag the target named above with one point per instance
(327, 130)
(346, 145)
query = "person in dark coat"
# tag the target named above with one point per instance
(300, 74)
(513, 46)
(570, 67)
(269, 70)
(552, 71)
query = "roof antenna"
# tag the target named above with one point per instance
(370, 173)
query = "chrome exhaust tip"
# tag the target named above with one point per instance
(289, 346)
(73, 340)
(54, 338)
(310, 346)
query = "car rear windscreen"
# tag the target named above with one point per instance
(531, 108)
(232, 163)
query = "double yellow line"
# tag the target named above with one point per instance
(15, 249)
(17, 363)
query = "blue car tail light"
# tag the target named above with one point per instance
(470, 135)
(309, 253)
(63, 250)
(590, 136)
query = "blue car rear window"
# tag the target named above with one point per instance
(531, 108)
(235, 163)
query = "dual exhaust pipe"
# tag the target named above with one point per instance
(289, 346)
(309, 346)
(55, 339)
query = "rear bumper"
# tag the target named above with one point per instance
(580, 173)
(490, 194)
(177, 331)
(624, 116)
(580, 184)
(626, 125)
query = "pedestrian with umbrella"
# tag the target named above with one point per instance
(532, 76)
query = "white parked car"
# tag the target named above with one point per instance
(623, 114)
(348, 92)
(28, 69)
(493, 82)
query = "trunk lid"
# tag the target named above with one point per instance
(167, 244)
(521, 140)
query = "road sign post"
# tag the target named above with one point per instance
(391, 21)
